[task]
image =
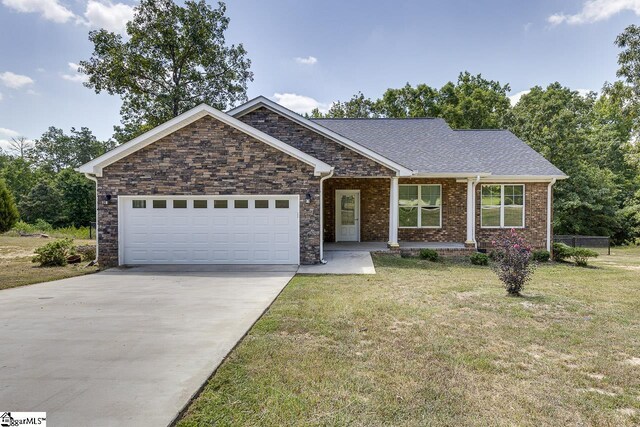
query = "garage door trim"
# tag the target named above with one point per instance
(123, 199)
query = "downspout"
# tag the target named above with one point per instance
(94, 179)
(475, 184)
(549, 212)
(322, 260)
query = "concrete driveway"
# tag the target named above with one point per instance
(125, 347)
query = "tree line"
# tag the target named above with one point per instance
(175, 57)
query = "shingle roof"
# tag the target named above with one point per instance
(429, 145)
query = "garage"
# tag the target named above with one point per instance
(235, 229)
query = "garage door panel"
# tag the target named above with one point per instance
(210, 235)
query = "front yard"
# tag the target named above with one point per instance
(439, 344)
(16, 268)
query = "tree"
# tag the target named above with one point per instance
(42, 202)
(19, 176)
(174, 59)
(56, 150)
(78, 198)
(8, 211)
(357, 107)
(20, 145)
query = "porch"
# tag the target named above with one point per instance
(384, 247)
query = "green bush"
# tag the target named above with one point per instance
(429, 254)
(541, 255)
(8, 209)
(88, 252)
(561, 251)
(479, 258)
(582, 255)
(54, 253)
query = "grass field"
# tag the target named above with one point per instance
(16, 268)
(439, 344)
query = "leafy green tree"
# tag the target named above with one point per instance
(175, 57)
(474, 103)
(357, 107)
(42, 202)
(56, 150)
(409, 101)
(19, 176)
(77, 197)
(8, 210)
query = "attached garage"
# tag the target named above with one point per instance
(209, 229)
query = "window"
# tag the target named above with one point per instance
(261, 204)
(200, 204)
(139, 204)
(282, 204)
(502, 206)
(220, 204)
(179, 204)
(159, 204)
(241, 204)
(420, 206)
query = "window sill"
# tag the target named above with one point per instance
(418, 228)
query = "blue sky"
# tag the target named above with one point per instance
(308, 54)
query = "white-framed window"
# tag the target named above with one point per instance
(502, 206)
(420, 206)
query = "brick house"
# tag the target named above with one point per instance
(261, 184)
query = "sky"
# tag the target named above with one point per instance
(310, 54)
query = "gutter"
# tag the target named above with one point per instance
(94, 179)
(322, 260)
(549, 213)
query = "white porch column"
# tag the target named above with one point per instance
(393, 213)
(471, 212)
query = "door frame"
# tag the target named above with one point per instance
(338, 214)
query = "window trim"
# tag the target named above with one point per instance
(501, 207)
(433, 227)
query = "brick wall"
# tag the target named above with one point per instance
(535, 217)
(454, 214)
(208, 157)
(346, 161)
(374, 207)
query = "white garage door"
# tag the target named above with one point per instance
(208, 230)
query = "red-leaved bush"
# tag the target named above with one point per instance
(512, 264)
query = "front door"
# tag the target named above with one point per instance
(347, 215)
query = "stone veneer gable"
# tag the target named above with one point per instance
(346, 161)
(208, 157)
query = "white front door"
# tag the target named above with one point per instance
(347, 215)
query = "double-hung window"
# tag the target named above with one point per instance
(420, 206)
(502, 206)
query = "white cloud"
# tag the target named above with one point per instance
(5, 138)
(75, 76)
(107, 15)
(516, 96)
(299, 103)
(15, 81)
(596, 10)
(0, 96)
(309, 60)
(50, 10)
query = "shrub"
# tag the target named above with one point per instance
(561, 251)
(42, 225)
(88, 252)
(429, 254)
(541, 256)
(54, 253)
(513, 264)
(479, 258)
(493, 255)
(582, 255)
(8, 209)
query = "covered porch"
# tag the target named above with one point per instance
(373, 215)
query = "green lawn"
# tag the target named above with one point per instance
(439, 344)
(16, 268)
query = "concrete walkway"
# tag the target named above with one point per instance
(125, 347)
(342, 262)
